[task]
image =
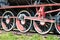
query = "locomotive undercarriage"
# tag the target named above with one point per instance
(41, 14)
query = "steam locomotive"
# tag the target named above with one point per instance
(44, 15)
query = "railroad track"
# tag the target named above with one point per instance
(16, 32)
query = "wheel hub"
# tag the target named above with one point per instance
(23, 22)
(21, 17)
(7, 19)
(42, 23)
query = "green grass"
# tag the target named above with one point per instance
(10, 36)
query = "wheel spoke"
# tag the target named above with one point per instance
(37, 28)
(47, 26)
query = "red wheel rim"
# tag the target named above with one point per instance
(3, 25)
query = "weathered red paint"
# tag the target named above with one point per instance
(3, 25)
(19, 26)
(58, 27)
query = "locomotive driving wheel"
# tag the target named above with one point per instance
(43, 27)
(57, 23)
(7, 22)
(22, 24)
